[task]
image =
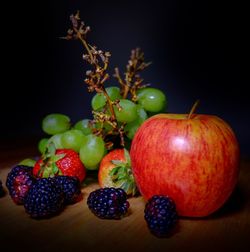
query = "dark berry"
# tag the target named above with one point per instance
(71, 188)
(160, 215)
(1, 189)
(19, 180)
(44, 199)
(108, 203)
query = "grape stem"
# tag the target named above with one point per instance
(85, 44)
(110, 104)
(98, 69)
(95, 78)
(132, 81)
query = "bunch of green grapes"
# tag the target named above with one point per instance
(149, 101)
(78, 137)
(81, 136)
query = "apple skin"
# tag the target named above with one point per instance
(195, 161)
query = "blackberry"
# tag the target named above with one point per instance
(44, 199)
(19, 180)
(108, 203)
(71, 188)
(160, 215)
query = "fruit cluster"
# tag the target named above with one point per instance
(92, 139)
(118, 111)
(42, 197)
(46, 197)
(45, 186)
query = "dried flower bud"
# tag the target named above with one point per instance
(70, 31)
(74, 21)
(85, 56)
(107, 54)
(91, 89)
(88, 72)
(103, 58)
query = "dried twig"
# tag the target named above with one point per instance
(96, 77)
(132, 81)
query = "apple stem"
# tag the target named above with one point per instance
(193, 109)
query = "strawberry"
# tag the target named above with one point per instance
(115, 171)
(59, 162)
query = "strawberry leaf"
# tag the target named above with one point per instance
(57, 157)
(60, 172)
(122, 175)
(125, 186)
(46, 173)
(122, 170)
(127, 157)
(117, 162)
(51, 149)
(114, 171)
(55, 169)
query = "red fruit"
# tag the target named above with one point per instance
(115, 171)
(64, 162)
(193, 159)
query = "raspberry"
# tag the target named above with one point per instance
(108, 203)
(160, 215)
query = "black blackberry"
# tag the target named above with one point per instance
(108, 203)
(160, 215)
(71, 188)
(19, 180)
(1, 189)
(44, 199)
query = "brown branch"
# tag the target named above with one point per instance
(132, 81)
(97, 76)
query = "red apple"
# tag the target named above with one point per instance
(193, 159)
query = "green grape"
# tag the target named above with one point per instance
(57, 141)
(132, 127)
(92, 152)
(83, 125)
(28, 162)
(55, 123)
(72, 139)
(99, 100)
(141, 113)
(107, 127)
(42, 144)
(128, 113)
(152, 99)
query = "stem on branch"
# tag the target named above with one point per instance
(96, 77)
(193, 109)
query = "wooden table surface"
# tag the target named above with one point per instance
(76, 228)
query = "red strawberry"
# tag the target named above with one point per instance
(60, 162)
(115, 171)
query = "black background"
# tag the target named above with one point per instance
(199, 50)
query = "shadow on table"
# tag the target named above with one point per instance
(236, 203)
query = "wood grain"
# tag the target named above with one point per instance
(76, 228)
